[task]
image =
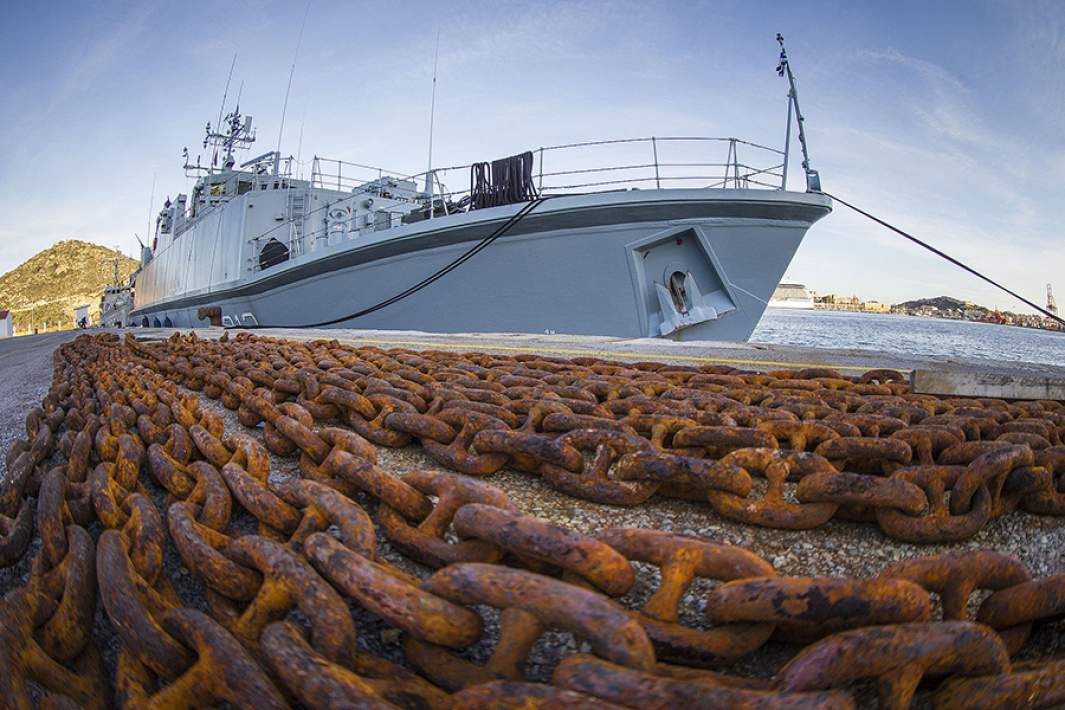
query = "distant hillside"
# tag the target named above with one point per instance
(50, 284)
(943, 303)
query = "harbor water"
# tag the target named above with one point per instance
(910, 335)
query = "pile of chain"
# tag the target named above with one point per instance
(123, 445)
(924, 468)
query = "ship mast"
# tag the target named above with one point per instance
(813, 180)
(234, 133)
(114, 261)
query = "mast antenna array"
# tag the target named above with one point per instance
(235, 133)
(813, 180)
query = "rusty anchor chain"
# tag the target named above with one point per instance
(123, 444)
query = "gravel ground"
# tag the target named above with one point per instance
(836, 549)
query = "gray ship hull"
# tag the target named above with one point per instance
(695, 264)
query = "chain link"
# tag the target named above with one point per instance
(123, 434)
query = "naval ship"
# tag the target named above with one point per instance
(678, 236)
(116, 302)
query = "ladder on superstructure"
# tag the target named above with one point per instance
(297, 206)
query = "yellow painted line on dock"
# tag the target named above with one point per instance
(588, 353)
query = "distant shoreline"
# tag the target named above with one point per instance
(920, 316)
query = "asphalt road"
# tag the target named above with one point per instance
(25, 376)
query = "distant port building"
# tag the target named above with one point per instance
(7, 329)
(832, 302)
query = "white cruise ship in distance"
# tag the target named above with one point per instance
(793, 296)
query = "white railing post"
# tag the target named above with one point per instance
(429, 191)
(540, 180)
(654, 150)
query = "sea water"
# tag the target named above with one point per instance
(910, 335)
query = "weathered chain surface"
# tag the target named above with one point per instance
(122, 444)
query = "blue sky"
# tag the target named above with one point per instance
(944, 117)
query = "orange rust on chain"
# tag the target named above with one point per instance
(392, 596)
(219, 670)
(317, 681)
(954, 576)
(659, 428)
(988, 472)
(323, 507)
(800, 436)
(65, 597)
(527, 450)
(683, 476)
(134, 604)
(806, 608)
(363, 476)
(1011, 610)
(116, 405)
(593, 482)
(426, 542)
(514, 695)
(455, 453)
(528, 537)
(717, 441)
(530, 602)
(373, 429)
(640, 689)
(272, 512)
(168, 472)
(79, 682)
(939, 524)
(200, 547)
(858, 489)
(1051, 500)
(866, 454)
(1032, 684)
(773, 509)
(288, 581)
(209, 497)
(680, 559)
(898, 656)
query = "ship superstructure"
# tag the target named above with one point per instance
(661, 236)
(116, 302)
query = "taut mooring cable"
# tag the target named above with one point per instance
(946, 256)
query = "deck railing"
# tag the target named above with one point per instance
(656, 162)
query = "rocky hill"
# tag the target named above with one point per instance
(48, 286)
(943, 303)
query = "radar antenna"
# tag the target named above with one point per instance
(235, 133)
(813, 180)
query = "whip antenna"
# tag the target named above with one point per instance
(151, 201)
(432, 116)
(291, 71)
(225, 94)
